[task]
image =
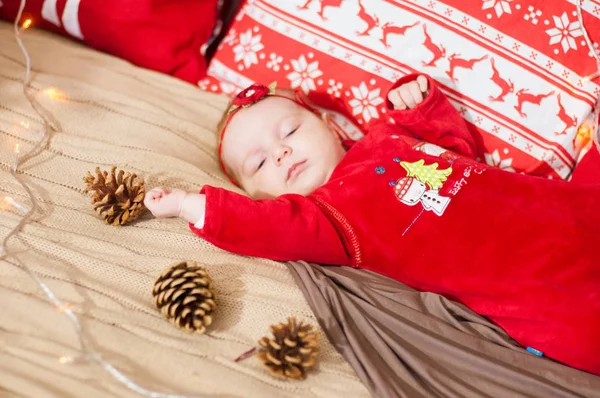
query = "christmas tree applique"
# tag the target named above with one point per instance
(427, 174)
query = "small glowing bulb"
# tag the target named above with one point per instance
(17, 148)
(24, 124)
(584, 129)
(54, 93)
(50, 92)
(591, 77)
(65, 360)
(14, 204)
(64, 308)
(27, 23)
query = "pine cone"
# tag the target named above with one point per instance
(184, 294)
(292, 350)
(118, 198)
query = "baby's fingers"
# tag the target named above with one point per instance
(153, 195)
(416, 94)
(158, 191)
(408, 92)
(396, 100)
(423, 83)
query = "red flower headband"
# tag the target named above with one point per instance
(252, 95)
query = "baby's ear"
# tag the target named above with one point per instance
(326, 117)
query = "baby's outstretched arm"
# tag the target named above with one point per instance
(291, 227)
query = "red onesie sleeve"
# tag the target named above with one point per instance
(289, 228)
(435, 120)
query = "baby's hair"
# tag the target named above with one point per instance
(218, 132)
(222, 122)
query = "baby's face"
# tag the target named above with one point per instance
(276, 147)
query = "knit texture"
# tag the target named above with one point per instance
(112, 113)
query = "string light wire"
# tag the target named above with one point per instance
(50, 125)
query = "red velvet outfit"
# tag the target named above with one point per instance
(520, 250)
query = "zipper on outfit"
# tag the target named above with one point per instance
(348, 232)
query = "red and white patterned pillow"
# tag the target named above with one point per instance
(512, 68)
(161, 35)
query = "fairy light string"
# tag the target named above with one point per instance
(21, 156)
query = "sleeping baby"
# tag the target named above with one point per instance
(409, 201)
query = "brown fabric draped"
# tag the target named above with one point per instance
(406, 343)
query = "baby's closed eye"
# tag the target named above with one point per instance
(288, 127)
(260, 165)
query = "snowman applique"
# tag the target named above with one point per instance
(430, 149)
(422, 185)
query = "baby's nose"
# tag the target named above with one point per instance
(280, 153)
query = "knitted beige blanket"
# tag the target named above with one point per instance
(112, 113)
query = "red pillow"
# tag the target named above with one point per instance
(162, 35)
(512, 69)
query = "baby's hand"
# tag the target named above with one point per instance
(408, 95)
(165, 202)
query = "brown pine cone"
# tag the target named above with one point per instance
(118, 197)
(292, 350)
(184, 295)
